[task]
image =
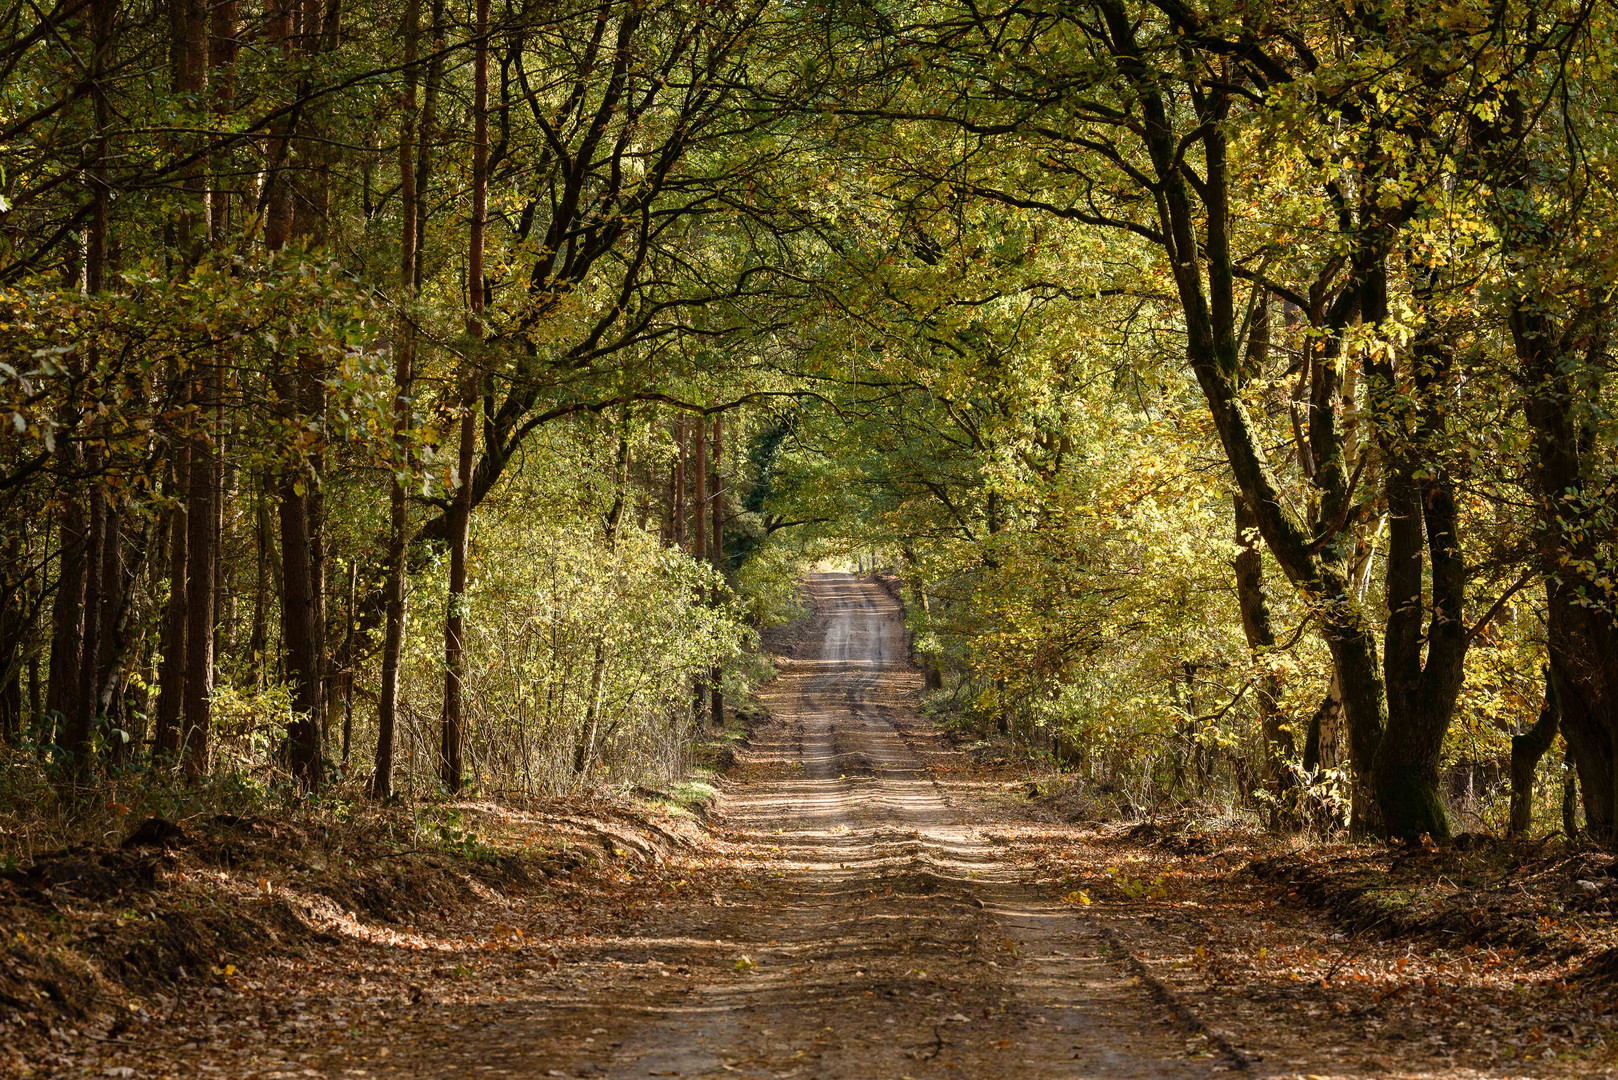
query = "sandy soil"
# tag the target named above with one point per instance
(873, 904)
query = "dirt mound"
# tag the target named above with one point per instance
(1483, 896)
(93, 931)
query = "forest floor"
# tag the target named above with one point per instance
(864, 900)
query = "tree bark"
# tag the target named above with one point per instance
(202, 540)
(80, 722)
(1423, 653)
(1570, 797)
(297, 624)
(716, 695)
(699, 538)
(461, 517)
(404, 346)
(1582, 638)
(171, 673)
(678, 505)
(112, 592)
(1526, 751)
(1279, 748)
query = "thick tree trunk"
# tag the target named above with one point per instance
(67, 620)
(297, 624)
(121, 566)
(1423, 653)
(222, 50)
(279, 31)
(1582, 638)
(1317, 560)
(108, 661)
(316, 516)
(1585, 707)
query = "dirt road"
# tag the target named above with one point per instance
(883, 936)
(869, 903)
(894, 942)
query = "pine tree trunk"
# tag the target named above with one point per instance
(297, 623)
(171, 674)
(81, 719)
(716, 695)
(201, 515)
(678, 537)
(258, 635)
(115, 580)
(699, 539)
(461, 516)
(404, 345)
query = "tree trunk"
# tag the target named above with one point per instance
(1423, 658)
(112, 591)
(67, 619)
(348, 651)
(297, 623)
(699, 539)
(279, 31)
(1279, 748)
(678, 533)
(222, 50)
(36, 701)
(461, 517)
(716, 695)
(1563, 350)
(171, 673)
(81, 718)
(258, 638)
(202, 540)
(1526, 751)
(1570, 797)
(404, 345)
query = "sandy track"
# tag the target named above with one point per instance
(867, 929)
(892, 940)
(871, 905)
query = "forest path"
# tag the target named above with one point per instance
(871, 903)
(881, 935)
(895, 939)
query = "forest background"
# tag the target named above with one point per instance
(407, 398)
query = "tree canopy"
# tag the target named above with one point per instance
(450, 390)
